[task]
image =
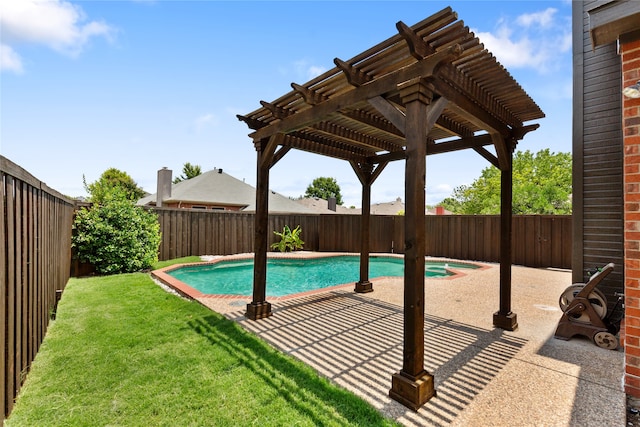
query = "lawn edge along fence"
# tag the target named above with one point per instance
(35, 249)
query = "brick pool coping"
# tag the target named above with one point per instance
(187, 291)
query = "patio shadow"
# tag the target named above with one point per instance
(300, 387)
(357, 343)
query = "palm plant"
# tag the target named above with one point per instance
(289, 239)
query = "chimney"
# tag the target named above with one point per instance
(331, 204)
(439, 210)
(164, 186)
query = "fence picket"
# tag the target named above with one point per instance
(538, 240)
(35, 252)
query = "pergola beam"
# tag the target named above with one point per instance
(384, 84)
(325, 147)
(389, 111)
(388, 157)
(460, 144)
(370, 120)
(311, 97)
(277, 112)
(354, 76)
(452, 126)
(278, 155)
(488, 156)
(474, 113)
(419, 49)
(353, 137)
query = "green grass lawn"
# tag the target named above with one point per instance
(124, 352)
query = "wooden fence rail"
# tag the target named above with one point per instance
(538, 240)
(35, 252)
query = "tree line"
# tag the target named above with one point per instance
(542, 184)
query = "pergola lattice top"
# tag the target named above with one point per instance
(354, 111)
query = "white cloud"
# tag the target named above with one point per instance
(9, 59)
(437, 193)
(315, 71)
(205, 120)
(57, 24)
(304, 71)
(566, 42)
(441, 188)
(513, 53)
(533, 40)
(544, 19)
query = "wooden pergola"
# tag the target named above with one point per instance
(432, 88)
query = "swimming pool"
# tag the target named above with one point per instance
(289, 276)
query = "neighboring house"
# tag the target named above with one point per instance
(319, 205)
(389, 208)
(217, 190)
(214, 190)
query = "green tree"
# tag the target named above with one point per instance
(541, 185)
(324, 187)
(116, 236)
(110, 179)
(188, 171)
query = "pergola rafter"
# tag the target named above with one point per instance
(431, 88)
(354, 137)
(320, 144)
(385, 127)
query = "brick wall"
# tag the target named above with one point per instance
(631, 127)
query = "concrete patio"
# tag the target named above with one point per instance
(483, 376)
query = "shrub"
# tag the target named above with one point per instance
(116, 236)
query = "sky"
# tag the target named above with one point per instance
(139, 85)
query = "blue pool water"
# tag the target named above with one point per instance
(290, 276)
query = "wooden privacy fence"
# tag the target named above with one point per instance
(538, 240)
(35, 251)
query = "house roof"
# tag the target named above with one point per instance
(609, 20)
(282, 204)
(216, 187)
(319, 205)
(386, 208)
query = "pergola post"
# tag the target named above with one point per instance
(364, 285)
(504, 318)
(413, 385)
(259, 307)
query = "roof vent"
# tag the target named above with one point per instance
(220, 170)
